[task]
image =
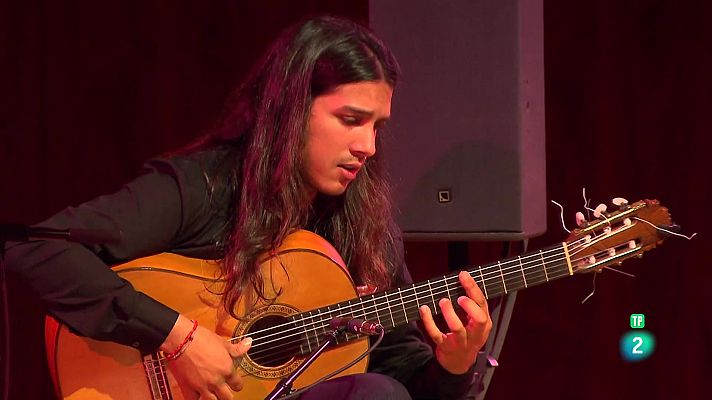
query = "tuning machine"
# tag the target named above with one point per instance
(621, 203)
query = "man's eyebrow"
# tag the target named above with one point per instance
(361, 112)
(357, 110)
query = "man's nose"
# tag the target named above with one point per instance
(364, 145)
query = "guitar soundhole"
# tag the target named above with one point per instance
(279, 343)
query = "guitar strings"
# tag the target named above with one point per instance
(350, 308)
(489, 276)
(288, 353)
(285, 351)
(318, 323)
(321, 325)
(399, 319)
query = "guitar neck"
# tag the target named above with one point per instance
(399, 306)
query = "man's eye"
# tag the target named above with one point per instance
(350, 121)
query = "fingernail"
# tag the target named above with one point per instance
(461, 299)
(247, 342)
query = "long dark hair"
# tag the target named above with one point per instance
(263, 132)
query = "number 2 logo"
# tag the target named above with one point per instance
(636, 348)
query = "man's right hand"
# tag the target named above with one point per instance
(207, 369)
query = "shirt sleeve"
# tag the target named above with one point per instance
(406, 356)
(161, 210)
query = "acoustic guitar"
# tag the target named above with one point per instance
(312, 286)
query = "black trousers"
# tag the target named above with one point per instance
(358, 387)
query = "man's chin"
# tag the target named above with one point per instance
(334, 190)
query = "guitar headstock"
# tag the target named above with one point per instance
(618, 235)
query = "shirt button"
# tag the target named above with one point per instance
(136, 344)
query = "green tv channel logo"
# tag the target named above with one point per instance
(637, 321)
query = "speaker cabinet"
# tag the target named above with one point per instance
(465, 146)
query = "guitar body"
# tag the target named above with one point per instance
(304, 274)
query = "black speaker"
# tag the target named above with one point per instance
(465, 148)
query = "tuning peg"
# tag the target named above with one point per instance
(620, 202)
(600, 209)
(581, 220)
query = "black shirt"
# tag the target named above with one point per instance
(173, 207)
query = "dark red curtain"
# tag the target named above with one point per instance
(92, 89)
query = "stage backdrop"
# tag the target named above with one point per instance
(91, 90)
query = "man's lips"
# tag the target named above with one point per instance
(351, 169)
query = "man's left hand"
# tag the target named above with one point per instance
(457, 350)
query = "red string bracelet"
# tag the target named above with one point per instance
(184, 345)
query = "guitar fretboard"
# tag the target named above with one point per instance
(399, 306)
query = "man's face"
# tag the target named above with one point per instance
(341, 133)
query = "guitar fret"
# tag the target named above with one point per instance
(352, 314)
(504, 285)
(417, 300)
(375, 307)
(347, 311)
(363, 309)
(316, 324)
(405, 313)
(389, 308)
(339, 311)
(521, 267)
(543, 264)
(483, 283)
(306, 332)
(353, 309)
(432, 297)
(447, 288)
